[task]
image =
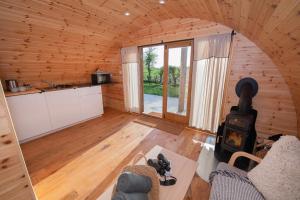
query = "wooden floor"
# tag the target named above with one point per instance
(80, 162)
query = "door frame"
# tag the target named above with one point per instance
(141, 86)
(167, 45)
(166, 114)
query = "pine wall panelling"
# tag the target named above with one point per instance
(276, 110)
(39, 44)
(274, 103)
(14, 179)
(64, 41)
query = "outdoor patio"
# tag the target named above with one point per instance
(153, 104)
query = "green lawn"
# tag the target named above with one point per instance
(156, 89)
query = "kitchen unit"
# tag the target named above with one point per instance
(89, 100)
(40, 113)
(63, 107)
(29, 114)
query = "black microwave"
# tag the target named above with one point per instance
(100, 78)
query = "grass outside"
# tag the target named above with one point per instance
(157, 89)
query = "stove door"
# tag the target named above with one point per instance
(233, 140)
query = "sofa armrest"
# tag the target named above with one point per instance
(243, 154)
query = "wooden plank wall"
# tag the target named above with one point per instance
(39, 41)
(64, 41)
(274, 103)
(14, 180)
(276, 110)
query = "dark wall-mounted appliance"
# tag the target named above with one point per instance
(238, 132)
(100, 78)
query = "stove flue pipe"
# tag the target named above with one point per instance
(246, 89)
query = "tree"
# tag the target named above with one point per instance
(161, 73)
(155, 78)
(149, 60)
(174, 73)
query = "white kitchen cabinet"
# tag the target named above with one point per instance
(64, 107)
(29, 114)
(89, 90)
(91, 105)
(36, 114)
(90, 101)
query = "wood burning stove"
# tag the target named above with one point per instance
(238, 132)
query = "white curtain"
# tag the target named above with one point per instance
(131, 78)
(209, 71)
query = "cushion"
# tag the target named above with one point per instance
(278, 174)
(230, 183)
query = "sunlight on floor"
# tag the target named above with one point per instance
(208, 144)
(82, 175)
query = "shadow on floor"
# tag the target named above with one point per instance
(161, 124)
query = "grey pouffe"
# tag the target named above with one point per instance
(130, 196)
(129, 182)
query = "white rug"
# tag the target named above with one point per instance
(207, 161)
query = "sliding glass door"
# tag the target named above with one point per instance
(166, 71)
(152, 80)
(177, 80)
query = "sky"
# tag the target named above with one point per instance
(174, 56)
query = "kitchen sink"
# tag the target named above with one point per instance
(58, 87)
(62, 86)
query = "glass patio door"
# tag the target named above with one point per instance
(152, 70)
(177, 71)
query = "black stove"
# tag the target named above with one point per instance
(238, 132)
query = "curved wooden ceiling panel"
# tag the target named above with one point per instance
(274, 25)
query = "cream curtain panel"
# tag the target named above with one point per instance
(210, 66)
(131, 83)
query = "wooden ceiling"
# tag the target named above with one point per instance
(98, 27)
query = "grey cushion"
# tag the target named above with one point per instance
(130, 196)
(232, 184)
(129, 182)
(225, 166)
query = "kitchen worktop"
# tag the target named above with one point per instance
(49, 89)
(31, 91)
(65, 87)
